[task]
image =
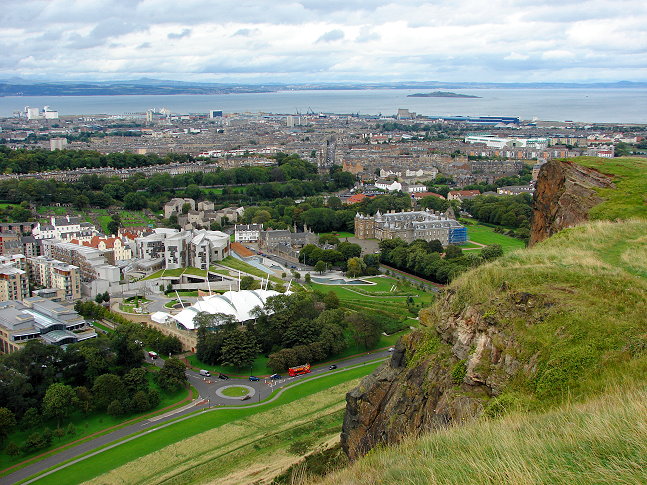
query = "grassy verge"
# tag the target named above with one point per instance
(259, 368)
(159, 439)
(602, 441)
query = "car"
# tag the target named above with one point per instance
(332, 367)
(391, 349)
(245, 398)
(276, 376)
(223, 377)
(254, 378)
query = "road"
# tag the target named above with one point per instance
(208, 400)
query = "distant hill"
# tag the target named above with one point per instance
(146, 86)
(441, 94)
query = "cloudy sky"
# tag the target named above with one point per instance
(325, 40)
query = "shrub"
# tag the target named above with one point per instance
(115, 408)
(459, 371)
(12, 449)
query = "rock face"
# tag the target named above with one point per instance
(437, 376)
(565, 194)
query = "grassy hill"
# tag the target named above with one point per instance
(629, 197)
(547, 347)
(603, 440)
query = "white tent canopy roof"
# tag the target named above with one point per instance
(238, 304)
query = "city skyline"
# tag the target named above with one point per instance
(333, 41)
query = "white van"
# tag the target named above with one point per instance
(205, 373)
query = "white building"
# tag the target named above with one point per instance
(247, 232)
(492, 141)
(65, 228)
(238, 304)
(390, 185)
(57, 143)
(179, 249)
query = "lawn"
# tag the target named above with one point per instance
(340, 234)
(482, 234)
(235, 391)
(155, 440)
(177, 272)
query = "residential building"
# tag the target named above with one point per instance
(14, 283)
(390, 185)
(461, 195)
(51, 273)
(40, 318)
(516, 190)
(247, 232)
(65, 228)
(174, 206)
(412, 225)
(115, 248)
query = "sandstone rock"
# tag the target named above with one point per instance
(564, 196)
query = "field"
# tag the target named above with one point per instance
(482, 234)
(213, 444)
(339, 234)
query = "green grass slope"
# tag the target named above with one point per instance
(602, 441)
(585, 322)
(629, 198)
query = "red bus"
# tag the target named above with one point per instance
(297, 371)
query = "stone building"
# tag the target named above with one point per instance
(412, 225)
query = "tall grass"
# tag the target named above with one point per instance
(601, 441)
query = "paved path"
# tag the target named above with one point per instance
(208, 401)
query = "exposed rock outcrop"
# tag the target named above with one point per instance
(437, 376)
(565, 194)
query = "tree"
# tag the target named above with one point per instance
(106, 388)
(172, 376)
(452, 252)
(366, 329)
(99, 298)
(135, 380)
(491, 252)
(31, 418)
(140, 402)
(113, 226)
(135, 201)
(84, 398)
(307, 278)
(355, 267)
(239, 348)
(331, 300)
(7, 423)
(115, 408)
(435, 246)
(320, 267)
(59, 401)
(248, 283)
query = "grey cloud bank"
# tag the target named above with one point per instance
(325, 41)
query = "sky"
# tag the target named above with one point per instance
(301, 41)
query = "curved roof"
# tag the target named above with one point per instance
(238, 304)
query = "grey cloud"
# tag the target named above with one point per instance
(245, 32)
(366, 35)
(331, 36)
(145, 45)
(179, 35)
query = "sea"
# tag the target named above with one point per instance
(600, 105)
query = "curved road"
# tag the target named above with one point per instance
(208, 400)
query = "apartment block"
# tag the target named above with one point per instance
(51, 273)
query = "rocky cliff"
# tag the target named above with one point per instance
(565, 194)
(523, 332)
(437, 376)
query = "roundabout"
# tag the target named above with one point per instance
(235, 391)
